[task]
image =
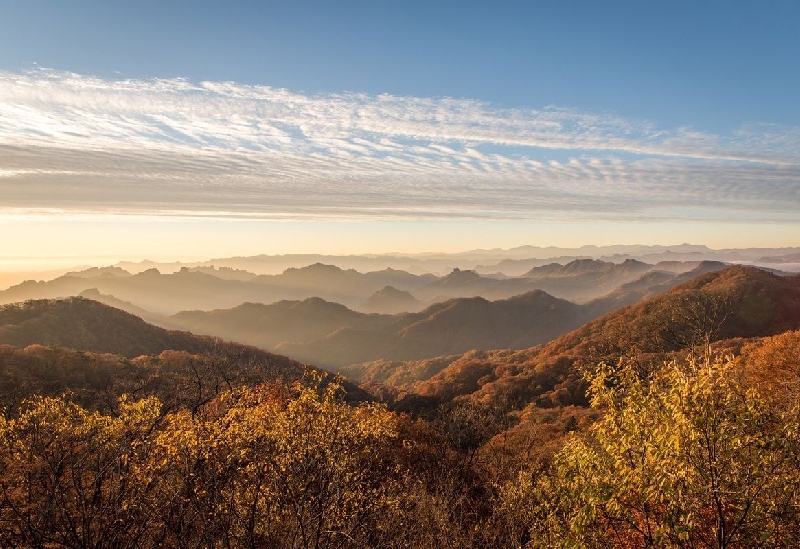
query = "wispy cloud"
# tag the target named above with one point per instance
(78, 143)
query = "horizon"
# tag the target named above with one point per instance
(13, 267)
(209, 131)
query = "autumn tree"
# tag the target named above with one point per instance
(68, 476)
(275, 467)
(691, 457)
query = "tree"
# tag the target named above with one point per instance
(692, 457)
(68, 477)
(275, 467)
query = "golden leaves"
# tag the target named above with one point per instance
(270, 462)
(692, 456)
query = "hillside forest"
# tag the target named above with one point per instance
(662, 413)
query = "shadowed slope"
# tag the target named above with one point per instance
(90, 326)
(96, 353)
(285, 321)
(390, 300)
(452, 326)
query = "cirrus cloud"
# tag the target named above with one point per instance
(80, 143)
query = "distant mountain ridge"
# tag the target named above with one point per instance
(585, 266)
(190, 289)
(483, 261)
(327, 333)
(331, 335)
(220, 288)
(97, 352)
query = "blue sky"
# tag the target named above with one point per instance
(499, 120)
(713, 64)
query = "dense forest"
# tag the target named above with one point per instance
(674, 422)
(700, 453)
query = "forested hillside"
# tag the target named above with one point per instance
(294, 466)
(737, 302)
(88, 325)
(96, 353)
(672, 422)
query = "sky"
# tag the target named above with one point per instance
(190, 130)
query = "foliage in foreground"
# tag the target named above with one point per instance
(272, 466)
(697, 456)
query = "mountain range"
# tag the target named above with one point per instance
(737, 302)
(484, 261)
(511, 262)
(458, 434)
(95, 346)
(333, 336)
(386, 291)
(212, 289)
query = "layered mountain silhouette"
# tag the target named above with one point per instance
(580, 280)
(268, 326)
(153, 318)
(330, 335)
(787, 258)
(48, 341)
(511, 262)
(586, 279)
(660, 279)
(334, 336)
(96, 353)
(209, 288)
(449, 327)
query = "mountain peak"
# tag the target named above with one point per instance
(390, 300)
(314, 268)
(462, 274)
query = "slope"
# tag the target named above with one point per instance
(285, 321)
(737, 302)
(88, 325)
(453, 326)
(390, 300)
(96, 353)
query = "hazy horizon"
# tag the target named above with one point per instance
(15, 269)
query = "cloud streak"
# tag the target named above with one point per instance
(78, 143)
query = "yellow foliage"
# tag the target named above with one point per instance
(692, 457)
(276, 466)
